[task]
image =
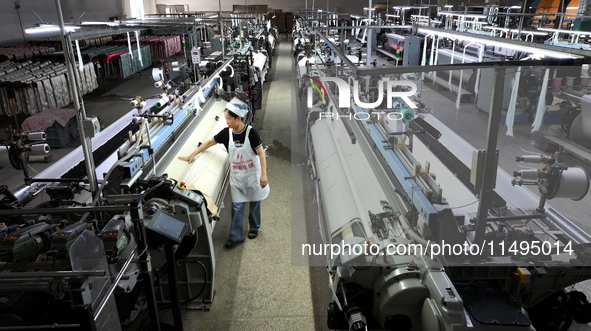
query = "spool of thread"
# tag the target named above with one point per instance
(532, 159)
(159, 84)
(528, 174)
(584, 81)
(556, 83)
(37, 149)
(570, 81)
(162, 102)
(135, 102)
(36, 136)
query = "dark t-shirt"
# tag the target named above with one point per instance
(224, 136)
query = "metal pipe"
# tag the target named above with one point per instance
(34, 211)
(78, 102)
(568, 227)
(369, 38)
(37, 327)
(25, 193)
(26, 287)
(222, 31)
(571, 95)
(494, 120)
(104, 300)
(57, 180)
(51, 274)
(515, 218)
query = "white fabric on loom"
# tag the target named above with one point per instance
(510, 119)
(541, 104)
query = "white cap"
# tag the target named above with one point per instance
(237, 107)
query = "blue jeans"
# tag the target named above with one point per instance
(254, 219)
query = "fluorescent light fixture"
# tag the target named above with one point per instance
(564, 31)
(535, 33)
(448, 6)
(495, 28)
(410, 7)
(463, 15)
(515, 7)
(572, 8)
(494, 43)
(100, 23)
(391, 15)
(198, 19)
(395, 36)
(50, 28)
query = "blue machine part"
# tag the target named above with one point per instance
(245, 48)
(133, 166)
(422, 203)
(136, 162)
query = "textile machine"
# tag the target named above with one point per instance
(420, 230)
(89, 260)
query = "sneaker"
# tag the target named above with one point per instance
(253, 234)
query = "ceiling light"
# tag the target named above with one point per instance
(50, 28)
(495, 43)
(564, 31)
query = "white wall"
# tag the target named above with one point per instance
(149, 7)
(95, 10)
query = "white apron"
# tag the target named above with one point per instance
(245, 172)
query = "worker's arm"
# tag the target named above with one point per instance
(205, 145)
(261, 153)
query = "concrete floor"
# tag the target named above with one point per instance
(261, 284)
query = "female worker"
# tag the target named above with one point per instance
(248, 169)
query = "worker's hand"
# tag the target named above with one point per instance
(264, 180)
(187, 158)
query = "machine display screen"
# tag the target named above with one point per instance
(168, 226)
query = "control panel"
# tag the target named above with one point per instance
(181, 192)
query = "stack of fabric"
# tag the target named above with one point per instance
(31, 87)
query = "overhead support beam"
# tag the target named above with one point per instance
(479, 4)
